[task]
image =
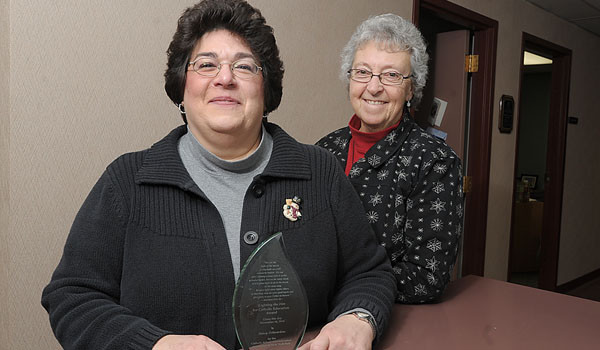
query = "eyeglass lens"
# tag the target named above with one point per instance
(243, 68)
(389, 78)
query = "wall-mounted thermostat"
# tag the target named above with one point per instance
(507, 112)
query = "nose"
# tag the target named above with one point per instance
(225, 76)
(374, 85)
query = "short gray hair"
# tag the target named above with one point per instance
(397, 34)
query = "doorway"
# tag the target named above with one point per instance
(530, 170)
(539, 164)
(437, 16)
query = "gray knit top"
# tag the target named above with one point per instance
(225, 182)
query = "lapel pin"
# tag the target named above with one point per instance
(291, 208)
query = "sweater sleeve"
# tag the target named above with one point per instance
(82, 298)
(366, 279)
(432, 231)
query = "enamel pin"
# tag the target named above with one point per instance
(291, 208)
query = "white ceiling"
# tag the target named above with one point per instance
(583, 13)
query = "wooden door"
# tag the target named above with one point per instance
(442, 13)
(444, 110)
(450, 87)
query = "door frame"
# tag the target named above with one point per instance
(555, 154)
(480, 127)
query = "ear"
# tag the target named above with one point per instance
(409, 93)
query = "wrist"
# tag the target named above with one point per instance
(365, 317)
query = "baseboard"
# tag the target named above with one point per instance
(579, 281)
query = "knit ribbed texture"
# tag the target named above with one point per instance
(148, 253)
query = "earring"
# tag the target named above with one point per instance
(408, 104)
(181, 108)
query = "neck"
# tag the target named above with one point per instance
(359, 128)
(230, 147)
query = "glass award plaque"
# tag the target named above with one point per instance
(270, 307)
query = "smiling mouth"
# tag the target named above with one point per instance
(224, 100)
(373, 102)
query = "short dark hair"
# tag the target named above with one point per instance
(238, 17)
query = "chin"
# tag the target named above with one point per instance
(228, 128)
(373, 121)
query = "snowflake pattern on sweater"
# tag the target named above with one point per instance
(410, 184)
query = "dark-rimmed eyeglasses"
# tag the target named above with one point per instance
(392, 77)
(244, 68)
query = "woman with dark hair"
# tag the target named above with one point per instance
(410, 182)
(153, 256)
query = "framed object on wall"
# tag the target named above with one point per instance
(530, 179)
(507, 111)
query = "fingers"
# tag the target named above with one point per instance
(188, 342)
(344, 333)
(321, 342)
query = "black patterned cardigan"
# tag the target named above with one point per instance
(410, 184)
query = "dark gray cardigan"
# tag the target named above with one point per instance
(147, 254)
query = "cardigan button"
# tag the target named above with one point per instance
(258, 189)
(250, 237)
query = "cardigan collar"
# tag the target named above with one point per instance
(385, 148)
(162, 163)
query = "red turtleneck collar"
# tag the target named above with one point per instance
(361, 141)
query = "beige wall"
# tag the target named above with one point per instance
(4, 166)
(86, 85)
(579, 240)
(580, 229)
(314, 99)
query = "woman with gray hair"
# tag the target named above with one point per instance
(410, 182)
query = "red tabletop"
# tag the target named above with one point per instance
(482, 313)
